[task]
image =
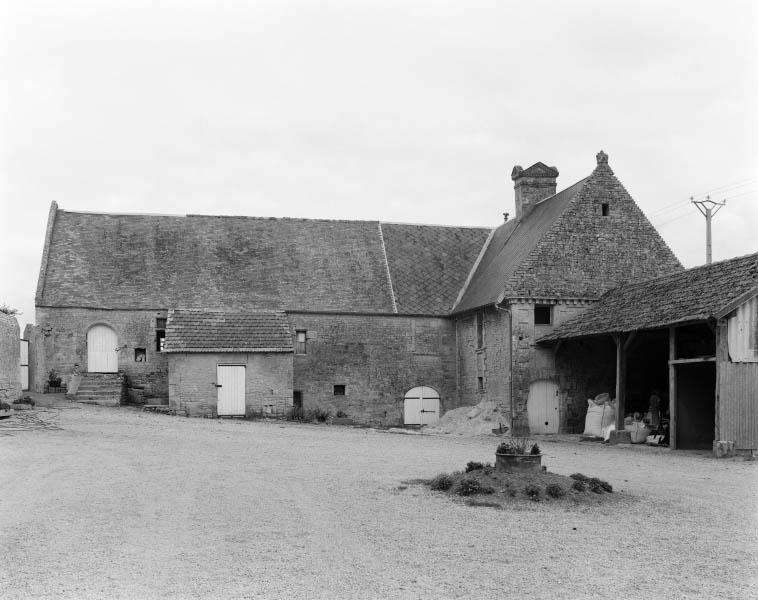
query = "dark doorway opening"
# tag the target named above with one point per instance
(695, 405)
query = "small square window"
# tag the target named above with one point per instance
(140, 355)
(160, 323)
(297, 399)
(604, 209)
(300, 341)
(543, 314)
(480, 384)
(339, 390)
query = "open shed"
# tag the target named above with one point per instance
(690, 338)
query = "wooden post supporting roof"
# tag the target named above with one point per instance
(672, 388)
(620, 380)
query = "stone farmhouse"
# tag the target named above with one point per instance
(389, 323)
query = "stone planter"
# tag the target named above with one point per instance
(518, 462)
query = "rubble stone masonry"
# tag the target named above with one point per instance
(62, 333)
(10, 352)
(377, 358)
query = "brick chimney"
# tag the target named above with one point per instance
(532, 185)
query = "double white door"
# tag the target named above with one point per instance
(421, 406)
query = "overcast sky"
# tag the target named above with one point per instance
(397, 111)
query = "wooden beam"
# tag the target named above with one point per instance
(620, 380)
(699, 359)
(672, 388)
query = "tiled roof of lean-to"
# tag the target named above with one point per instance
(245, 263)
(692, 295)
(511, 243)
(215, 331)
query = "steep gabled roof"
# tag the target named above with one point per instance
(576, 244)
(215, 331)
(244, 263)
(511, 243)
(692, 295)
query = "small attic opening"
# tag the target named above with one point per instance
(604, 209)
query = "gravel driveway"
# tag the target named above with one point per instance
(124, 504)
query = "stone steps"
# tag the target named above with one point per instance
(100, 388)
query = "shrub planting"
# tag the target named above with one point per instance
(442, 482)
(468, 486)
(579, 485)
(533, 492)
(555, 490)
(474, 466)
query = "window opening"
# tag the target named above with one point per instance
(160, 340)
(160, 323)
(140, 355)
(300, 341)
(543, 314)
(297, 399)
(480, 384)
(479, 330)
(339, 390)
(604, 209)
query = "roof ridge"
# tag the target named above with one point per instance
(683, 272)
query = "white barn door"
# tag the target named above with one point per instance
(102, 352)
(421, 406)
(542, 407)
(230, 381)
(23, 365)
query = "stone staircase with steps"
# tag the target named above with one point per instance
(100, 388)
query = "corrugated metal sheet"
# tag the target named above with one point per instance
(738, 404)
(743, 331)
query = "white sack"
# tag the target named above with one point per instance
(599, 416)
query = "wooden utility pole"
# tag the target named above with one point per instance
(706, 207)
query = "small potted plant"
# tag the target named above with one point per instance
(518, 454)
(5, 410)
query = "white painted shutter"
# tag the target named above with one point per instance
(102, 355)
(231, 393)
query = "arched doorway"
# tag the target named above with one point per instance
(542, 407)
(102, 350)
(421, 406)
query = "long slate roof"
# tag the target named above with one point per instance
(244, 263)
(214, 331)
(692, 295)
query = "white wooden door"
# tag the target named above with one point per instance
(230, 380)
(542, 407)
(421, 406)
(102, 352)
(23, 365)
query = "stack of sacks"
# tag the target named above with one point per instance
(601, 414)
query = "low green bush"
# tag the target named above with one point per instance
(579, 485)
(442, 482)
(555, 490)
(579, 477)
(533, 492)
(468, 486)
(474, 466)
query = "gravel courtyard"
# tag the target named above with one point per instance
(123, 504)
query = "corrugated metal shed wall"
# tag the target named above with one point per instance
(738, 404)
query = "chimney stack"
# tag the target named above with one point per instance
(532, 185)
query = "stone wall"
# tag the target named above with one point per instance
(63, 339)
(10, 352)
(532, 362)
(378, 359)
(268, 382)
(491, 362)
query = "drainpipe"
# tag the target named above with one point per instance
(510, 357)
